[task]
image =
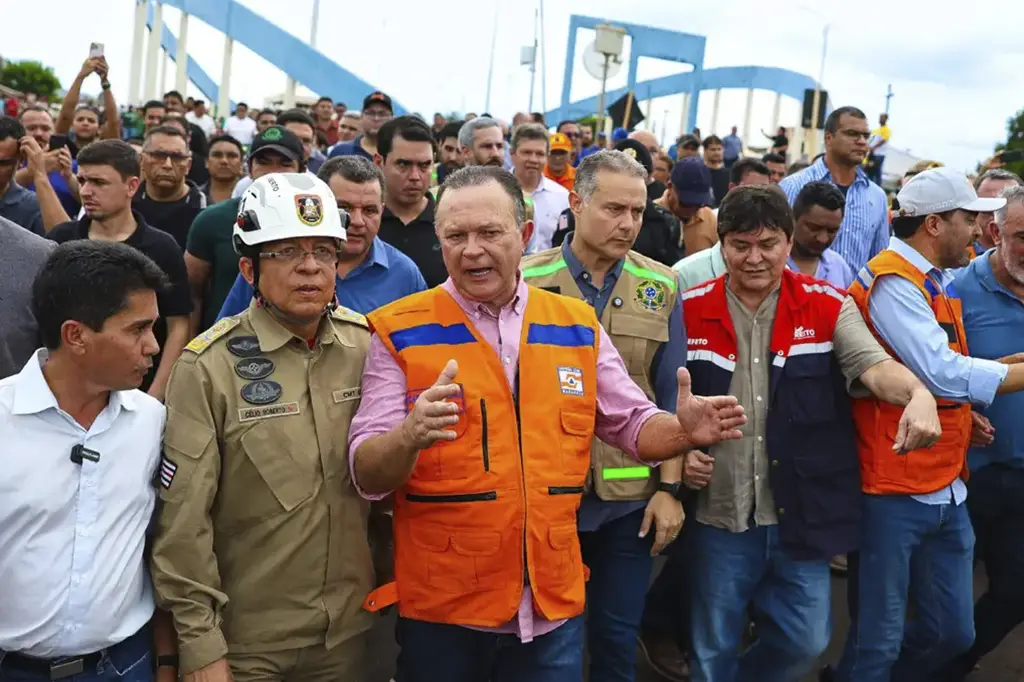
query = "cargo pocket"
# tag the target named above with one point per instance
(811, 387)
(286, 484)
(564, 560)
(635, 336)
(453, 460)
(461, 560)
(577, 436)
(185, 441)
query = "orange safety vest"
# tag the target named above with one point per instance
(566, 180)
(498, 504)
(884, 471)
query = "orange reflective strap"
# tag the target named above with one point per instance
(381, 598)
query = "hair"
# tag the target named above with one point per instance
(538, 117)
(450, 129)
(325, 98)
(906, 226)
(11, 128)
(609, 160)
(89, 107)
(28, 109)
(832, 122)
(117, 154)
(199, 102)
(922, 166)
(295, 116)
(267, 112)
(168, 130)
(174, 93)
(226, 138)
(528, 131)
(747, 165)
(352, 114)
(1014, 194)
(752, 207)
(711, 140)
(354, 169)
(152, 104)
(469, 128)
(171, 119)
(478, 176)
(240, 105)
(409, 128)
(771, 157)
(89, 281)
(997, 174)
(823, 194)
(558, 128)
(796, 167)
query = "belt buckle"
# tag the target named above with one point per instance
(59, 671)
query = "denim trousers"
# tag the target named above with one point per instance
(129, 661)
(911, 553)
(732, 572)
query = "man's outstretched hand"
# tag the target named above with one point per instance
(707, 420)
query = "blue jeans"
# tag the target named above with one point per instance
(129, 661)
(791, 601)
(436, 652)
(910, 551)
(620, 568)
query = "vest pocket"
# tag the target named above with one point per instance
(577, 434)
(460, 458)
(460, 560)
(810, 385)
(564, 560)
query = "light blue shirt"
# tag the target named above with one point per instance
(905, 321)
(865, 228)
(831, 268)
(732, 147)
(72, 571)
(708, 264)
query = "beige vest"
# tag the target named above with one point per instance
(636, 318)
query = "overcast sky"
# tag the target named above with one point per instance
(951, 66)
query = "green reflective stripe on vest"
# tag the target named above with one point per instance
(626, 473)
(644, 273)
(544, 270)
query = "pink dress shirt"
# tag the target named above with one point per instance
(622, 408)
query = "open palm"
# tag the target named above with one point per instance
(707, 420)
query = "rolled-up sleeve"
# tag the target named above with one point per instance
(382, 405)
(905, 321)
(622, 407)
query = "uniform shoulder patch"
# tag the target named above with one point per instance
(343, 313)
(203, 341)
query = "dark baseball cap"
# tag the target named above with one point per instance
(691, 181)
(377, 98)
(637, 151)
(280, 140)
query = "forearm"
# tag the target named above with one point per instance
(24, 176)
(671, 470)
(49, 203)
(177, 337)
(661, 437)
(67, 107)
(73, 186)
(385, 462)
(1014, 380)
(892, 382)
(165, 641)
(112, 126)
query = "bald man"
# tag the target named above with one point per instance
(648, 140)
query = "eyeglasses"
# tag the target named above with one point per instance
(323, 255)
(857, 134)
(173, 157)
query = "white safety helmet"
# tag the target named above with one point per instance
(287, 206)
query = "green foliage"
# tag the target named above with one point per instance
(31, 78)
(1014, 140)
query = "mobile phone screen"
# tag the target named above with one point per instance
(96, 50)
(58, 141)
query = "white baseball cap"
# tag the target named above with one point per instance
(937, 190)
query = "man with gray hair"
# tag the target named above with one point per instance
(990, 184)
(545, 198)
(629, 513)
(488, 574)
(991, 290)
(481, 143)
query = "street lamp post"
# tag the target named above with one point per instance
(608, 42)
(816, 103)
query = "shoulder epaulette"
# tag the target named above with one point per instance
(203, 341)
(343, 313)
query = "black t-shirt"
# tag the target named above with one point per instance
(162, 250)
(416, 240)
(719, 183)
(173, 217)
(658, 237)
(655, 190)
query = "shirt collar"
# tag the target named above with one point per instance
(269, 332)
(914, 256)
(469, 306)
(427, 215)
(33, 394)
(15, 194)
(819, 171)
(576, 268)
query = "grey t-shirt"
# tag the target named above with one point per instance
(22, 254)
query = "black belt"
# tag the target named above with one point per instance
(51, 669)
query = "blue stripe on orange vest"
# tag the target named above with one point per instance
(432, 334)
(559, 335)
(929, 285)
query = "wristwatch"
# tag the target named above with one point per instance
(670, 488)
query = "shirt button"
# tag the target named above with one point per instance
(758, 398)
(760, 439)
(507, 359)
(757, 360)
(782, 511)
(775, 462)
(757, 478)
(586, 275)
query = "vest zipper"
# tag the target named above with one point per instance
(522, 471)
(467, 497)
(565, 490)
(483, 442)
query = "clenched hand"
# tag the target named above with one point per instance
(919, 425)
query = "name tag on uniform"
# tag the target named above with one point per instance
(347, 394)
(248, 414)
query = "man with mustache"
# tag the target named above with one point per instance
(260, 551)
(545, 196)
(481, 143)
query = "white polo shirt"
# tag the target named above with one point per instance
(549, 200)
(73, 577)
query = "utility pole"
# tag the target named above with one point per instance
(888, 96)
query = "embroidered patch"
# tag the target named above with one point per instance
(570, 380)
(651, 295)
(254, 368)
(262, 392)
(248, 414)
(343, 313)
(244, 346)
(310, 208)
(167, 471)
(201, 342)
(347, 394)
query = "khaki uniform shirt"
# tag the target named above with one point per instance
(739, 489)
(261, 540)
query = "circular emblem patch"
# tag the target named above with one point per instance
(310, 209)
(271, 134)
(651, 295)
(244, 346)
(261, 392)
(254, 368)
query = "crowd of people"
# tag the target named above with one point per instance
(262, 379)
